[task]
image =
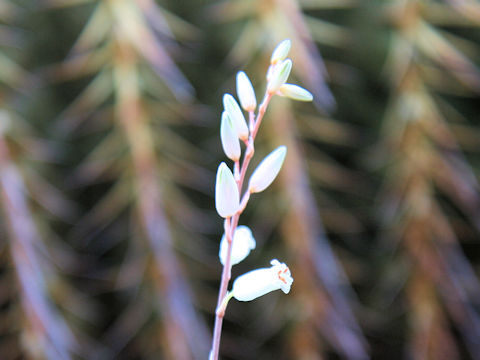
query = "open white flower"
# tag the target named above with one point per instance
(227, 198)
(243, 243)
(259, 282)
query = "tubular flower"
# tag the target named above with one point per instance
(243, 243)
(259, 282)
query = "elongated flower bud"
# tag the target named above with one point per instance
(295, 92)
(259, 282)
(227, 199)
(267, 170)
(279, 75)
(243, 243)
(281, 51)
(236, 114)
(245, 92)
(228, 135)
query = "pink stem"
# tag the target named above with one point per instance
(231, 223)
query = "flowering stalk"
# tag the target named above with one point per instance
(230, 227)
(230, 202)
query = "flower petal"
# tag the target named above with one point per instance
(259, 282)
(254, 284)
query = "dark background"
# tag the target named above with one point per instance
(109, 235)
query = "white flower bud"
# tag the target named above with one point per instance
(228, 135)
(262, 281)
(267, 170)
(236, 114)
(243, 243)
(295, 92)
(279, 75)
(281, 51)
(245, 92)
(227, 199)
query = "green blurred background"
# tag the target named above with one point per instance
(109, 143)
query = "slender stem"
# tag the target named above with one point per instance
(251, 120)
(223, 306)
(236, 171)
(244, 202)
(261, 112)
(246, 160)
(217, 332)
(250, 144)
(231, 224)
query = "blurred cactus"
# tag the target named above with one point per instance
(33, 325)
(122, 46)
(427, 175)
(107, 211)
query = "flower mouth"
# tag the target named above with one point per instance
(282, 273)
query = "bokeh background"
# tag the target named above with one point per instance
(109, 143)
